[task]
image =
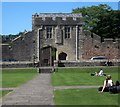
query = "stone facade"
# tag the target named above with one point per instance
(20, 49)
(61, 31)
(92, 46)
(59, 36)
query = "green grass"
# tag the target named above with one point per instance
(84, 97)
(4, 92)
(81, 76)
(16, 77)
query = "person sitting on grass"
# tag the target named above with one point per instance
(107, 84)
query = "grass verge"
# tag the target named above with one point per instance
(4, 92)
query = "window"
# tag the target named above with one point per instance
(49, 32)
(67, 32)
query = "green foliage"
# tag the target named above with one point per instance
(10, 37)
(108, 25)
(91, 14)
(101, 20)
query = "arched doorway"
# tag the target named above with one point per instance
(62, 56)
(48, 55)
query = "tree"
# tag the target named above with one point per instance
(108, 25)
(91, 14)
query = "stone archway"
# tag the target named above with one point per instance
(48, 55)
(62, 56)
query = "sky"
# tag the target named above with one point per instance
(17, 16)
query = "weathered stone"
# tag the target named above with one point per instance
(62, 31)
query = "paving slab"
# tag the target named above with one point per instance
(37, 91)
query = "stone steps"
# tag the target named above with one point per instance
(45, 69)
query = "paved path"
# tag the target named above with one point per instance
(7, 88)
(35, 92)
(72, 87)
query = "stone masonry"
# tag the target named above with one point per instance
(61, 35)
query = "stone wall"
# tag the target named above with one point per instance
(92, 46)
(84, 63)
(16, 65)
(6, 52)
(24, 47)
(67, 46)
(58, 40)
(21, 48)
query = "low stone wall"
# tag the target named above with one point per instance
(56, 64)
(84, 63)
(16, 65)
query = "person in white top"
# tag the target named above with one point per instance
(100, 73)
(107, 83)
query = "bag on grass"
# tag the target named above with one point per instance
(113, 90)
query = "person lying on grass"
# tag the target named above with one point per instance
(100, 73)
(107, 84)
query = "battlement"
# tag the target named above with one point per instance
(111, 41)
(56, 18)
(54, 15)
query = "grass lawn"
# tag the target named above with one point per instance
(84, 97)
(81, 76)
(17, 76)
(4, 92)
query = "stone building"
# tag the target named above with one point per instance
(58, 34)
(59, 37)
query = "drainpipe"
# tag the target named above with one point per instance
(76, 43)
(38, 44)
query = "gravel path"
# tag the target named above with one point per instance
(35, 92)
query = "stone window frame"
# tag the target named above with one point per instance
(49, 32)
(68, 32)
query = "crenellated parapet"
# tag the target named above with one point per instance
(111, 41)
(56, 19)
(54, 15)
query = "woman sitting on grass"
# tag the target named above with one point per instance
(107, 84)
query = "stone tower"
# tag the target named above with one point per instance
(58, 37)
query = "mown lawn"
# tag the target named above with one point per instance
(81, 76)
(4, 92)
(84, 97)
(17, 76)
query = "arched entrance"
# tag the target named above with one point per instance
(62, 56)
(48, 55)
